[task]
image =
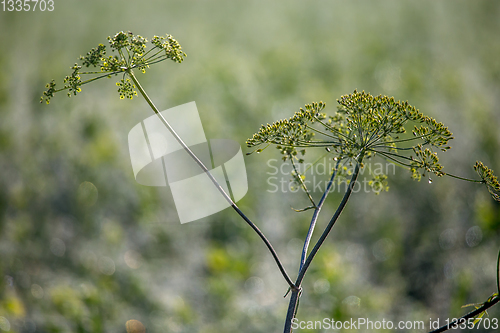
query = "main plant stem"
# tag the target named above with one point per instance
(294, 298)
(212, 178)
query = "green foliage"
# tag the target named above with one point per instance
(129, 52)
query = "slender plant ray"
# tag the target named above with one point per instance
(315, 216)
(374, 147)
(391, 158)
(411, 139)
(391, 154)
(321, 132)
(395, 162)
(463, 178)
(335, 130)
(374, 135)
(301, 181)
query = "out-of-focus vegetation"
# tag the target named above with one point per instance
(83, 248)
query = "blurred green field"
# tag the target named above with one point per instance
(84, 248)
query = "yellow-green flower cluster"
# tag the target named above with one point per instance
(94, 56)
(364, 126)
(126, 89)
(129, 52)
(489, 179)
(120, 40)
(379, 183)
(73, 81)
(170, 46)
(425, 159)
(49, 93)
(289, 134)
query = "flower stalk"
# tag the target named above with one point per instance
(131, 54)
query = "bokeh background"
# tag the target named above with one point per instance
(84, 248)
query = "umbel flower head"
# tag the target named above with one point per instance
(489, 179)
(128, 51)
(363, 127)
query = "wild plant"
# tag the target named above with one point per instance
(363, 128)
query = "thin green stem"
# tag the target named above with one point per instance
(391, 158)
(303, 209)
(462, 178)
(399, 165)
(359, 121)
(327, 126)
(316, 161)
(212, 178)
(391, 147)
(129, 59)
(375, 135)
(321, 132)
(154, 62)
(454, 324)
(178, 138)
(298, 176)
(269, 246)
(392, 154)
(498, 274)
(154, 55)
(298, 145)
(316, 215)
(414, 138)
(91, 80)
(123, 56)
(88, 73)
(320, 143)
(147, 52)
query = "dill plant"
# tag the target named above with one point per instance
(364, 127)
